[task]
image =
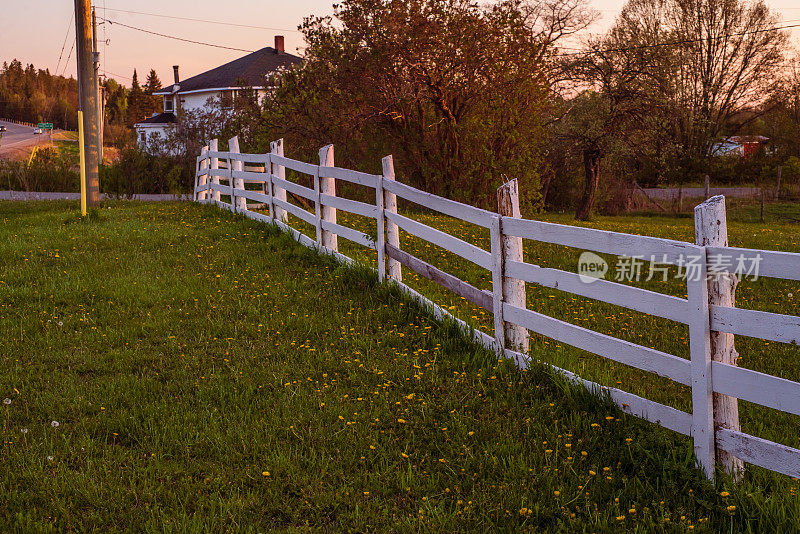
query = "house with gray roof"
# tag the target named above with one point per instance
(248, 72)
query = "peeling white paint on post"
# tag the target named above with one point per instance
(513, 289)
(240, 203)
(393, 267)
(497, 286)
(380, 243)
(327, 186)
(213, 146)
(276, 147)
(711, 230)
(202, 179)
(317, 209)
(700, 354)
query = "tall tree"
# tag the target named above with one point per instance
(152, 84)
(454, 89)
(152, 104)
(136, 102)
(700, 63)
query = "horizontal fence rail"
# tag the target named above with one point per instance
(258, 181)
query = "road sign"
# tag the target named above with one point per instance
(46, 125)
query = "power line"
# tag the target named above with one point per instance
(66, 63)
(117, 75)
(69, 27)
(203, 20)
(175, 38)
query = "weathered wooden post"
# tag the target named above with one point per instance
(778, 183)
(213, 146)
(513, 289)
(393, 267)
(496, 239)
(276, 148)
(202, 179)
(708, 187)
(380, 222)
(700, 354)
(711, 230)
(240, 203)
(327, 186)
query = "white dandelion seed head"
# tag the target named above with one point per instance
(60, 323)
(6, 401)
(50, 458)
(24, 430)
(54, 424)
(790, 295)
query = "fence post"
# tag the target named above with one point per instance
(497, 285)
(513, 289)
(778, 183)
(711, 230)
(276, 148)
(380, 242)
(700, 354)
(270, 188)
(327, 186)
(394, 269)
(202, 177)
(708, 187)
(213, 146)
(237, 183)
(317, 208)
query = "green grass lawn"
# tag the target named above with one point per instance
(745, 230)
(207, 373)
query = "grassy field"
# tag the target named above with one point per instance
(745, 230)
(170, 367)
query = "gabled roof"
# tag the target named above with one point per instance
(251, 68)
(161, 118)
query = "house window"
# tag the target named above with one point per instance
(169, 105)
(143, 137)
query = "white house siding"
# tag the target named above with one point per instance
(150, 131)
(191, 101)
(188, 102)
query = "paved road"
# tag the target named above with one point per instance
(17, 140)
(23, 195)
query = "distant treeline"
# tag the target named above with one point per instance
(35, 95)
(32, 95)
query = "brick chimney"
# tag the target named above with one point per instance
(279, 44)
(175, 72)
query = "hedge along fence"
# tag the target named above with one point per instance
(716, 382)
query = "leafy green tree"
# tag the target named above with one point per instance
(453, 89)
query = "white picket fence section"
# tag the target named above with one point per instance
(227, 174)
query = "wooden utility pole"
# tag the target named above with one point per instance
(87, 83)
(96, 61)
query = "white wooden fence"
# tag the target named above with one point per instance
(715, 381)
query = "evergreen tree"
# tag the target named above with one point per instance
(152, 84)
(137, 111)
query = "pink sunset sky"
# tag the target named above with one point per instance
(40, 29)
